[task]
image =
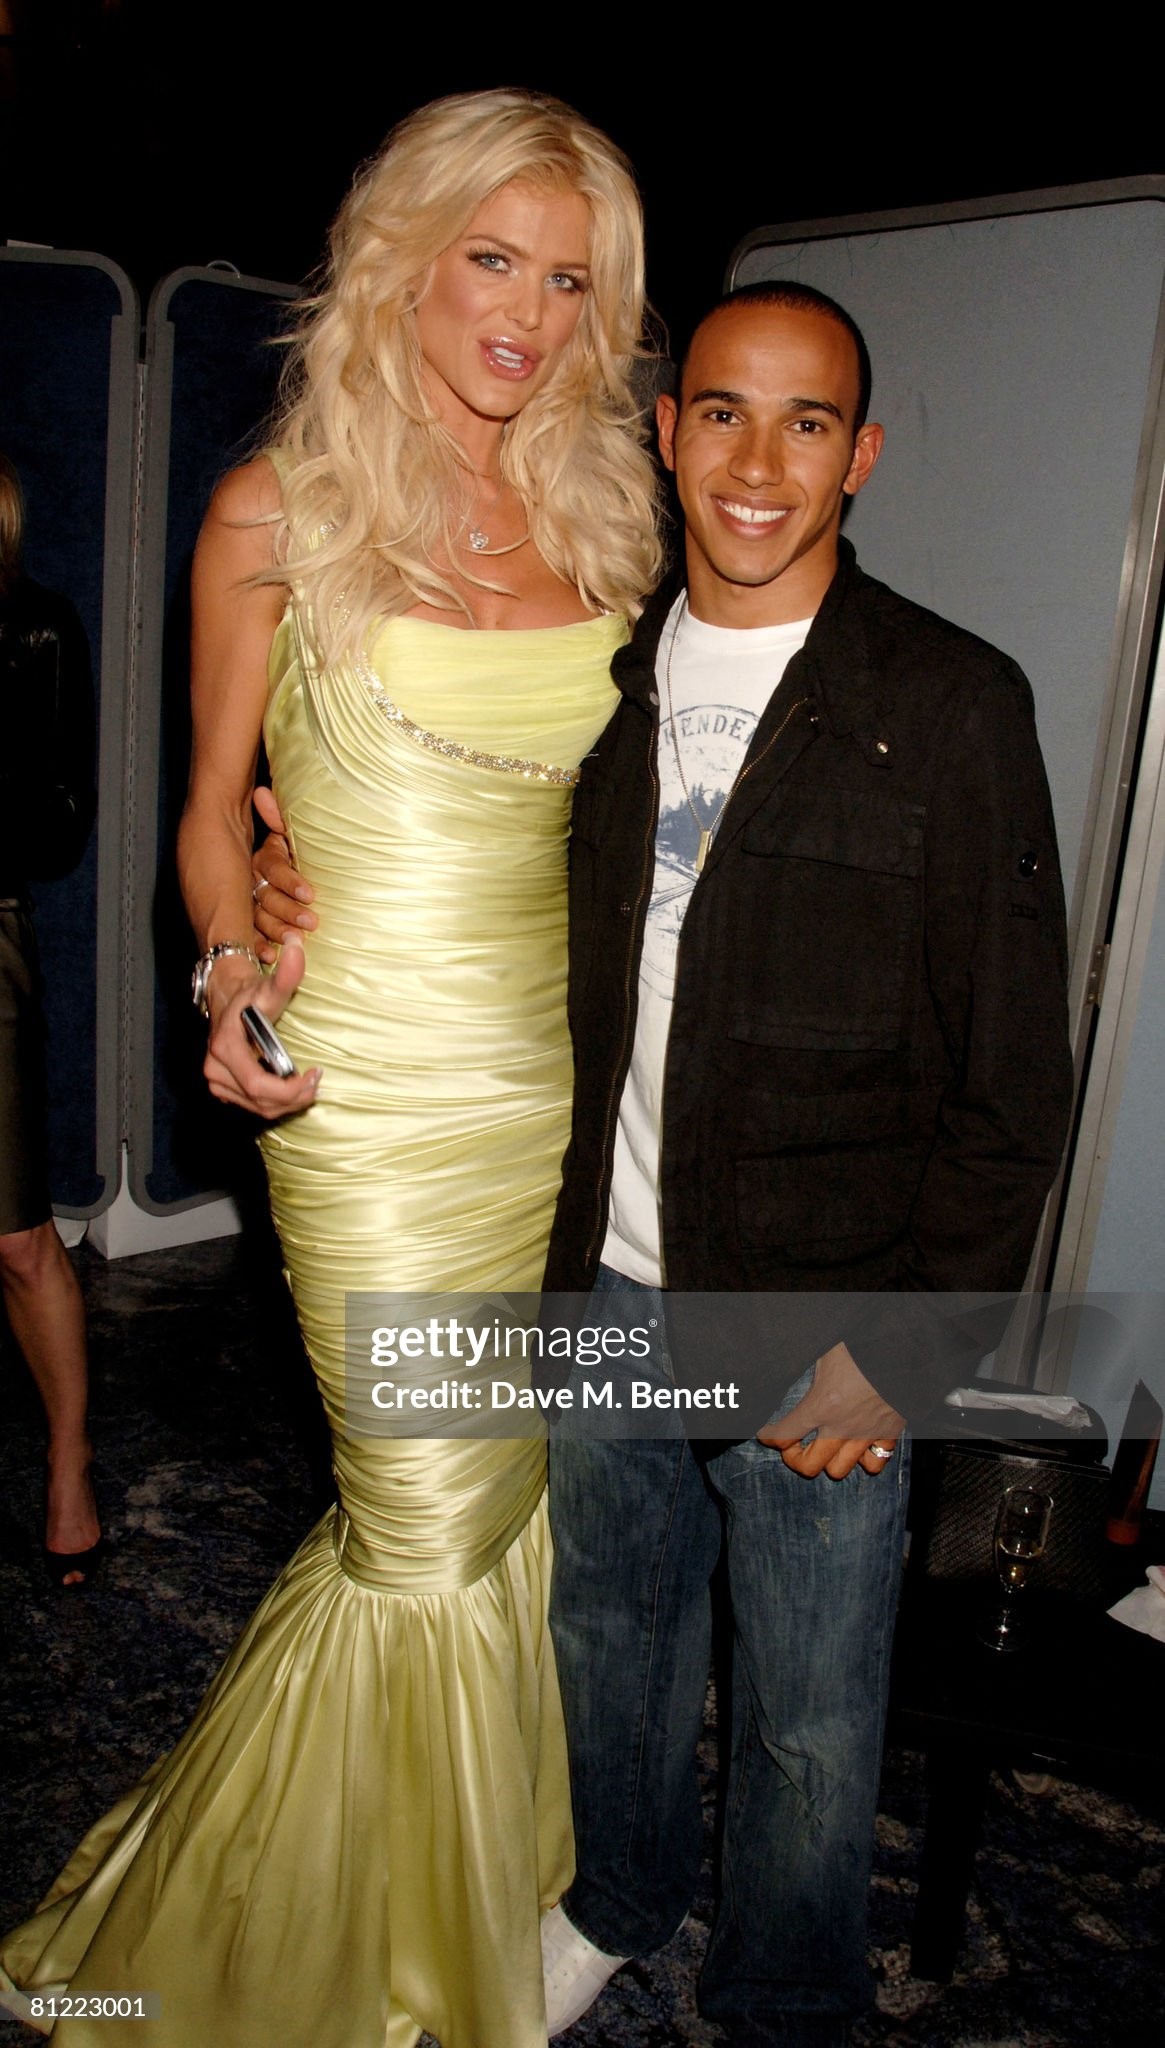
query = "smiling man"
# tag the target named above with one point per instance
(767, 440)
(818, 1007)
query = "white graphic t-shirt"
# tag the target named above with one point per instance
(721, 680)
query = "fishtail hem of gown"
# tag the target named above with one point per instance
(352, 1842)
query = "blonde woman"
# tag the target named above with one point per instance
(415, 595)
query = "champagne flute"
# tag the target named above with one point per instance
(1021, 1535)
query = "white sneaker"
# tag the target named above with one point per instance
(574, 1971)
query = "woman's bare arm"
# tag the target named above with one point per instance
(233, 627)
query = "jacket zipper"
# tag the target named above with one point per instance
(746, 771)
(648, 862)
(620, 1070)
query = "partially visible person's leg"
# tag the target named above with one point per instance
(47, 1317)
(37, 1282)
(636, 1535)
(814, 1570)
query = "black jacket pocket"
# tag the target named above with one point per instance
(830, 920)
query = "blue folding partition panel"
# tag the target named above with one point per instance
(68, 360)
(211, 375)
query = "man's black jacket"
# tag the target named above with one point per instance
(868, 1075)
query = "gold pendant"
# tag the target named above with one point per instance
(702, 850)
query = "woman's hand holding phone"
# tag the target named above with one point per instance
(233, 1065)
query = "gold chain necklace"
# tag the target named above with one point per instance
(706, 831)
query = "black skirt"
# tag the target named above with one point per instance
(24, 1184)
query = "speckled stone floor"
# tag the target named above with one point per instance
(213, 1465)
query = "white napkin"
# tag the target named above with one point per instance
(1144, 1607)
(1052, 1407)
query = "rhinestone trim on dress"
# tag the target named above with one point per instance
(506, 764)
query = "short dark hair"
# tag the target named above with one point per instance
(798, 298)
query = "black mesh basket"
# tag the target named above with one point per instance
(958, 1489)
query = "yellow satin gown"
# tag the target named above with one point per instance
(356, 1836)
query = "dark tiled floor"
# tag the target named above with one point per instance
(213, 1466)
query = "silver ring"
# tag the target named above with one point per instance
(258, 889)
(880, 1451)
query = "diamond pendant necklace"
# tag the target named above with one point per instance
(477, 536)
(479, 542)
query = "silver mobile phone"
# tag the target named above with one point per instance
(267, 1042)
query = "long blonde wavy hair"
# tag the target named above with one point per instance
(374, 486)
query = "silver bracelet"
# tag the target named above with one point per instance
(200, 979)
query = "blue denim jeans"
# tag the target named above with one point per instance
(813, 1571)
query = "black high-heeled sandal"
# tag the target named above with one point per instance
(59, 1563)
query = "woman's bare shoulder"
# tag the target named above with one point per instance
(238, 534)
(250, 492)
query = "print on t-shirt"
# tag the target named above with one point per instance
(717, 681)
(713, 740)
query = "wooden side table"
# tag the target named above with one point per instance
(1085, 1697)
